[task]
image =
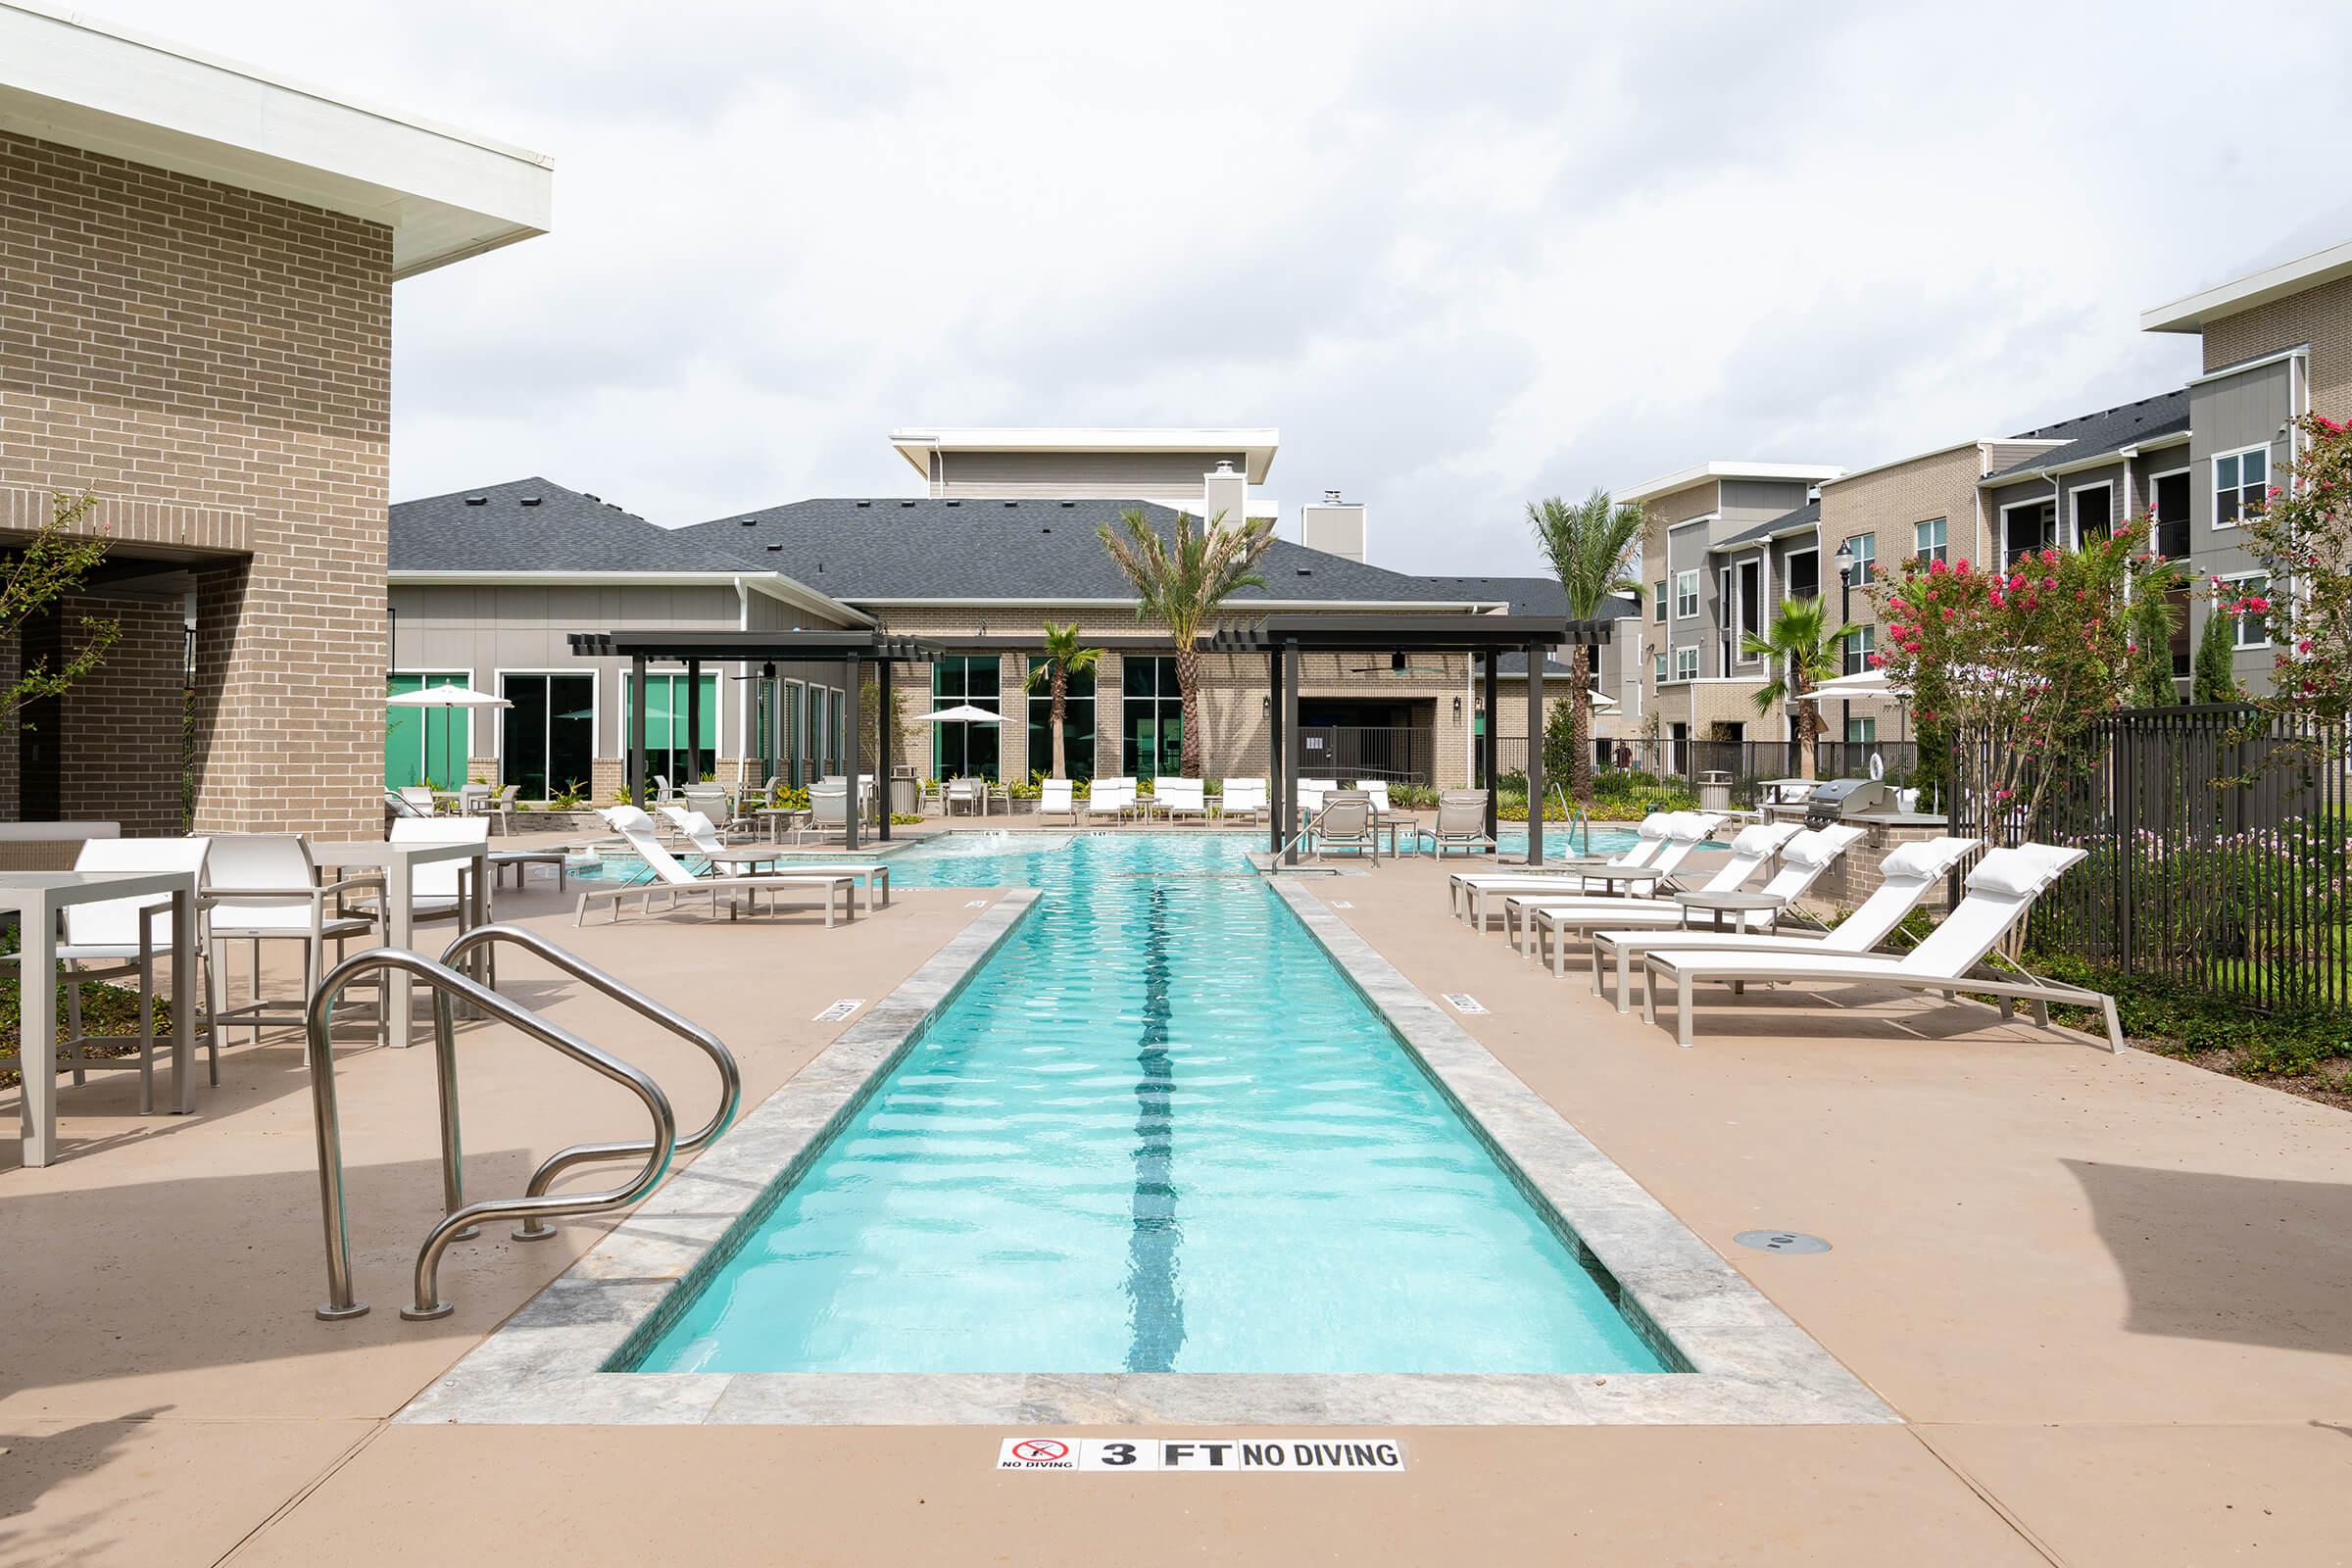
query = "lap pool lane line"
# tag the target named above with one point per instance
(1157, 1319)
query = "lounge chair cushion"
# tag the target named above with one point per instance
(1811, 849)
(2018, 872)
(1762, 838)
(1655, 825)
(1923, 861)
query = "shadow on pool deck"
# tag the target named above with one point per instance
(2241, 1258)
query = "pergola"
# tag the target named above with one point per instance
(1282, 638)
(853, 647)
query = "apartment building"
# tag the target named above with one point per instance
(487, 583)
(1726, 543)
(196, 330)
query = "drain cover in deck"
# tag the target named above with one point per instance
(1782, 1242)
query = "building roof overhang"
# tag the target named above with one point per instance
(1699, 473)
(768, 585)
(446, 194)
(756, 647)
(2191, 311)
(1257, 443)
(1371, 634)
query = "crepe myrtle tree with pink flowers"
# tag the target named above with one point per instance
(2028, 655)
(2303, 536)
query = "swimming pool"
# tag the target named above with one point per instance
(1158, 1131)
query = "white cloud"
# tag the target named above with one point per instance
(1462, 256)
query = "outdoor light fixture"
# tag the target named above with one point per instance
(1457, 709)
(1845, 561)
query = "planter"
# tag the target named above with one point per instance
(582, 821)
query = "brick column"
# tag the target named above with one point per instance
(1109, 686)
(1012, 736)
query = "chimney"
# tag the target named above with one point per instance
(1334, 526)
(1226, 491)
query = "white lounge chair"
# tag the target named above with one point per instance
(1906, 876)
(1056, 797)
(872, 876)
(1244, 797)
(1804, 856)
(675, 880)
(1465, 891)
(1114, 798)
(2000, 891)
(1312, 791)
(1752, 849)
(418, 797)
(1462, 824)
(1181, 797)
(1684, 835)
(1346, 823)
(114, 934)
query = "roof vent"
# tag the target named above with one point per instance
(1069, 503)
(747, 522)
(955, 503)
(530, 501)
(1331, 498)
(906, 502)
(1012, 503)
(866, 503)
(476, 500)
(1307, 572)
(774, 548)
(592, 497)
(1048, 528)
(1224, 465)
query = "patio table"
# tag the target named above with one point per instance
(399, 863)
(36, 896)
(780, 817)
(1720, 905)
(524, 859)
(1639, 876)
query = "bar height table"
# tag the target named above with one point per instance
(399, 862)
(36, 896)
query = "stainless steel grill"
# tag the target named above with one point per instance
(1838, 798)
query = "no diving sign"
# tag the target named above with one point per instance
(1205, 1456)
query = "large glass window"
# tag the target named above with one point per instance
(1863, 550)
(665, 728)
(1686, 664)
(2240, 481)
(419, 739)
(1077, 726)
(837, 732)
(2027, 529)
(2251, 629)
(1151, 716)
(963, 750)
(795, 729)
(1804, 575)
(2170, 506)
(546, 741)
(1685, 595)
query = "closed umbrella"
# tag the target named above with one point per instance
(443, 697)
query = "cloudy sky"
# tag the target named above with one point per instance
(1461, 255)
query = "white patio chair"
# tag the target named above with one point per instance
(1346, 823)
(1461, 823)
(111, 935)
(1055, 797)
(674, 880)
(1751, 848)
(419, 798)
(1906, 876)
(1243, 797)
(1182, 796)
(1114, 798)
(264, 887)
(2001, 890)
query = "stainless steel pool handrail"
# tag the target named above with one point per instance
(730, 1076)
(449, 987)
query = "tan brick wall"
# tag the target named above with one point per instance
(1680, 506)
(215, 364)
(123, 722)
(2321, 317)
(1889, 504)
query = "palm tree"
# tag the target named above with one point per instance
(1179, 581)
(1063, 659)
(1803, 651)
(1591, 546)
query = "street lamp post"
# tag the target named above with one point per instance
(1845, 613)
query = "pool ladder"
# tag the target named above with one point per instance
(460, 1219)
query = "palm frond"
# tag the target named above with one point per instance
(1590, 546)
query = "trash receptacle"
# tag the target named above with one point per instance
(906, 796)
(1714, 792)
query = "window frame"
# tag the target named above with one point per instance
(2009, 555)
(1863, 554)
(1788, 573)
(716, 741)
(1691, 577)
(1692, 650)
(596, 719)
(2238, 624)
(2156, 520)
(1658, 602)
(1941, 549)
(1861, 642)
(2214, 482)
(2074, 511)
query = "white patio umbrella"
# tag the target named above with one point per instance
(965, 714)
(443, 697)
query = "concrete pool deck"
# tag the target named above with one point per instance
(2110, 1297)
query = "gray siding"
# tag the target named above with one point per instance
(1744, 503)
(2110, 476)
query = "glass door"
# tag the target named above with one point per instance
(547, 741)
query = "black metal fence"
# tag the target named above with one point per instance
(1749, 763)
(2216, 849)
(1400, 754)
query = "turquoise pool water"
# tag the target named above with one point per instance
(1158, 1131)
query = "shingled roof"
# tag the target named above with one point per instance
(2097, 434)
(1028, 551)
(536, 526)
